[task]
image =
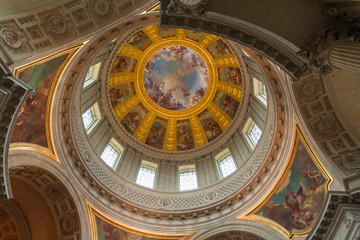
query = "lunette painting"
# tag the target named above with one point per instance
(297, 203)
(30, 124)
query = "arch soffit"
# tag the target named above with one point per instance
(26, 159)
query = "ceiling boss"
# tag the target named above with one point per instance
(174, 89)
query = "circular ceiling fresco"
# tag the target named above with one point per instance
(175, 89)
(176, 77)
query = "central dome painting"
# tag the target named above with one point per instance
(176, 78)
(174, 89)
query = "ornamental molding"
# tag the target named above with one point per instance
(187, 7)
(274, 47)
(128, 140)
(335, 141)
(333, 216)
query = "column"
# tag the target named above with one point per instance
(345, 54)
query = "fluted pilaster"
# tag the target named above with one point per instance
(345, 54)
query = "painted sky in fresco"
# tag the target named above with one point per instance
(176, 78)
(30, 124)
(297, 202)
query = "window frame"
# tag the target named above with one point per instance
(150, 167)
(221, 157)
(95, 115)
(93, 76)
(249, 125)
(116, 146)
(260, 90)
(184, 170)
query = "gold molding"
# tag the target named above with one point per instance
(207, 39)
(178, 114)
(71, 51)
(199, 135)
(172, 116)
(94, 212)
(228, 60)
(230, 89)
(117, 79)
(33, 147)
(153, 33)
(170, 138)
(219, 115)
(124, 107)
(142, 131)
(180, 33)
(250, 215)
(128, 50)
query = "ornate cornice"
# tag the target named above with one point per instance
(42, 30)
(335, 204)
(235, 32)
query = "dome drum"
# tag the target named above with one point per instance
(118, 184)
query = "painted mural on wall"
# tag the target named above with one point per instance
(218, 48)
(230, 75)
(176, 78)
(228, 104)
(121, 93)
(194, 35)
(123, 64)
(140, 40)
(298, 201)
(184, 135)
(211, 127)
(105, 231)
(30, 124)
(132, 120)
(167, 32)
(157, 133)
